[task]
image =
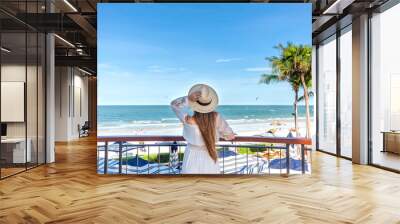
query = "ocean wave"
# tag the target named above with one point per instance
(138, 125)
(145, 122)
(258, 120)
(169, 122)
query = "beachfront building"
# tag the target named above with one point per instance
(52, 168)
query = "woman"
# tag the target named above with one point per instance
(202, 130)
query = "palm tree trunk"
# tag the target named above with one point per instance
(296, 95)
(307, 104)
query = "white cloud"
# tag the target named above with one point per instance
(258, 69)
(225, 60)
(161, 69)
(104, 66)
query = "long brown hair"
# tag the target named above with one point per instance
(207, 123)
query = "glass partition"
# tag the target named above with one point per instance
(13, 114)
(385, 89)
(327, 95)
(22, 91)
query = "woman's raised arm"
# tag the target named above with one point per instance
(178, 106)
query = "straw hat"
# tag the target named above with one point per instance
(208, 100)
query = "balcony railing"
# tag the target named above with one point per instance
(164, 155)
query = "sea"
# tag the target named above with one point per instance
(160, 119)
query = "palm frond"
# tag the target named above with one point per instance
(310, 94)
(269, 78)
(292, 63)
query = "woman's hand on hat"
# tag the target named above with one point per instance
(195, 96)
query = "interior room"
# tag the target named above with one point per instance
(31, 99)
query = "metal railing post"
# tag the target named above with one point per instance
(120, 158)
(287, 159)
(269, 164)
(303, 170)
(148, 159)
(247, 160)
(105, 157)
(137, 160)
(223, 160)
(235, 159)
(159, 160)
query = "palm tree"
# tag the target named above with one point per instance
(300, 56)
(293, 65)
(282, 71)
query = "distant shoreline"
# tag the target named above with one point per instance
(291, 105)
(245, 128)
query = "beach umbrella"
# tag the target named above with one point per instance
(295, 164)
(135, 161)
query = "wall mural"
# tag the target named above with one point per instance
(204, 88)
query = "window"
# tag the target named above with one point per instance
(327, 95)
(346, 92)
(385, 88)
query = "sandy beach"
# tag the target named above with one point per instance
(243, 127)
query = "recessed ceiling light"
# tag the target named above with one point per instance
(84, 71)
(64, 40)
(5, 50)
(337, 7)
(70, 5)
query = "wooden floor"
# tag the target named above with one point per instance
(387, 159)
(5, 172)
(70, 191)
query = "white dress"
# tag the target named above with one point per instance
(196, 159)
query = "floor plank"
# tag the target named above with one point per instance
(70, 191)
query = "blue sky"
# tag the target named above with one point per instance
(149, 54)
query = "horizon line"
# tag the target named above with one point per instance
(218, 105)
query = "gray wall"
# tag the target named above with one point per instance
(71, 102)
